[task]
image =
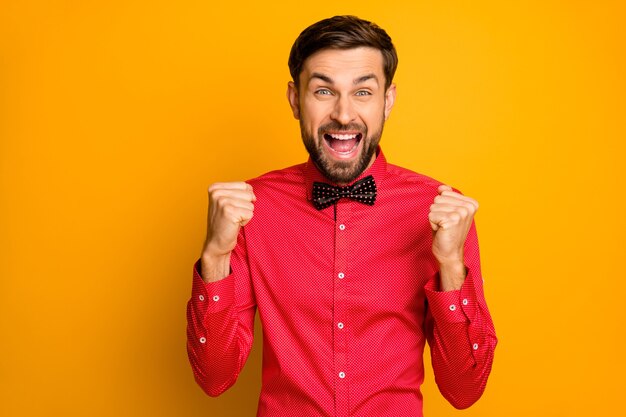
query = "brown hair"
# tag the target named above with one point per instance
(342, 32)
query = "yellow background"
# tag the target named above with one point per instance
(115, 116)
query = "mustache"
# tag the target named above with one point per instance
(338, 127)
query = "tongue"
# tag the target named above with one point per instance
(342, 145)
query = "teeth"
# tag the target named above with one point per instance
(343, 137)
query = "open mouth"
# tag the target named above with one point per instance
(343, 143)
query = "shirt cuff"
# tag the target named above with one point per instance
(455, 306)
(212, 297)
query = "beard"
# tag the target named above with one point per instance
(341, 172)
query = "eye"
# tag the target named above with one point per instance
(323, 92)
(363, 93)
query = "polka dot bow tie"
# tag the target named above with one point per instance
(363, 191)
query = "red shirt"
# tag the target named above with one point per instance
(347, 298)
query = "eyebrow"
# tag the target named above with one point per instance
(365, 78)
(322, 77)
(329, 80)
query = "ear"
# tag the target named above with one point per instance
(294, 102)
(390, 99)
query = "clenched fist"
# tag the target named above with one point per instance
(450, 217)
(230, 207)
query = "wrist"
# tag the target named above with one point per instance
(214, 266)
(452, 275)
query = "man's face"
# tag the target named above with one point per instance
(342, 105)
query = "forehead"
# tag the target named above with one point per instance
(344, 63)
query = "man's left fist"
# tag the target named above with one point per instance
(450, 217)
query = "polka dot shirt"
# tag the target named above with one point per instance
(347, 296)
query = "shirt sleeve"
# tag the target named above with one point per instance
(220, 324)
(461, 333)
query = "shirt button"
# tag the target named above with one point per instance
(465, 301)
(340, 325)
(452, 307)
(201, 297)
(202, 340)
(341, 275)
(216, 298)
(475, 346)
(342, 227)
(342, 375)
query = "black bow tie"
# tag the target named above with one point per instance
(363, 191)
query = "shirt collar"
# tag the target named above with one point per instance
(312, 173)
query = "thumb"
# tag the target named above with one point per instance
(435, 219)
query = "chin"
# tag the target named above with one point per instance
(342, 170)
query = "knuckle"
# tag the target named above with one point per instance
(220, 200)
(228, 210)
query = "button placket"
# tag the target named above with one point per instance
(341, 282)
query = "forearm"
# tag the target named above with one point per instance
(219, 333)
(462, 357)
(462, 340)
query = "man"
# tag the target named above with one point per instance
(352, 262)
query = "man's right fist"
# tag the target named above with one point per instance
(230, 207)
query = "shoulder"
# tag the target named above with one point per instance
(398, 176)
(288, 180)
(290, 174)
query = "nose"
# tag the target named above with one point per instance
(343, 111)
